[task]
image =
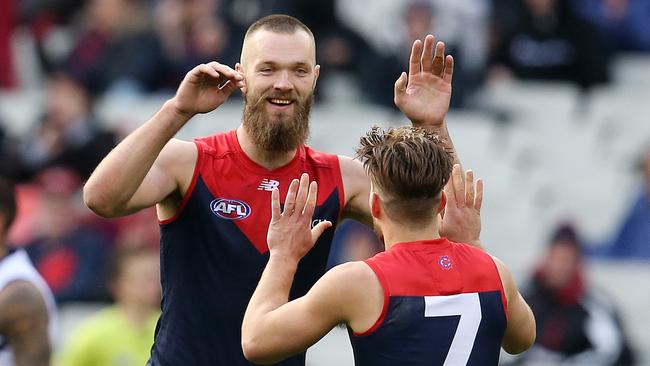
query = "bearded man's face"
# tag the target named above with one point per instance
(280, 73)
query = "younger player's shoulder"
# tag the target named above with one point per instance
(357, 270)
(506, 277)
(351, 277)
(355, 290)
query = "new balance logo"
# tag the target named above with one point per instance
(268, 185)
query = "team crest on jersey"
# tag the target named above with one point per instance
(445, 262)
(230, 209)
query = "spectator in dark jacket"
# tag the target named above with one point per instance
(68, 134)
(576, 324)
(118, 51)
(548, 42)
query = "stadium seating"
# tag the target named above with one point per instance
(547, 153)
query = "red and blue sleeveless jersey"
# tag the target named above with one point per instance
(444, 304)
(213, 251)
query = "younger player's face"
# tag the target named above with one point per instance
(280, 74)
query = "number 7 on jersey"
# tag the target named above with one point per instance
(468, 306)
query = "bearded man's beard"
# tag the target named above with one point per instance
(277, 132)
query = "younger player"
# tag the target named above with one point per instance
(424, 301)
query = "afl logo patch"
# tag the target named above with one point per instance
(445, 262)
(230, 209)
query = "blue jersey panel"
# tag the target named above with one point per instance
(209, 272)
(409, 335)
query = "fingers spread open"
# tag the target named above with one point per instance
(275, 205)
(427, 54)
(478, 201)
(319, 229)
(416, 55)
(457, 181)
(449, 68)
(439, 59)
(301, 197)
(401, 83)
(310, 206)
(290, 201)
(449, 192)
(469, 188)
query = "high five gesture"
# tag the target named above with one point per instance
(424, 94)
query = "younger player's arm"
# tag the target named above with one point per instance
(520, 331)
(24, 323)
(146, 167)
(425, 93)
(273, 328)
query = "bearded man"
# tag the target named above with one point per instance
(213, 194)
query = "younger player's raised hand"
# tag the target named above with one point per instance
(290, 233)
(461, 221)
(206, 87)
(424, 94)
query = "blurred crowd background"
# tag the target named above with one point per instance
(551, 105)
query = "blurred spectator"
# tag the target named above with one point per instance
(624, 25)
(341, 49)
(633, 238)
(68, 134)
(121, 334)
(9, 164)
(391, 27)
(48, 23)
(576, 325)
(118, 51)
(549, 42)
(68, 253)
(7, 23)
(192, 33)
(353, 241)
(138, 229)
(423, 17)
